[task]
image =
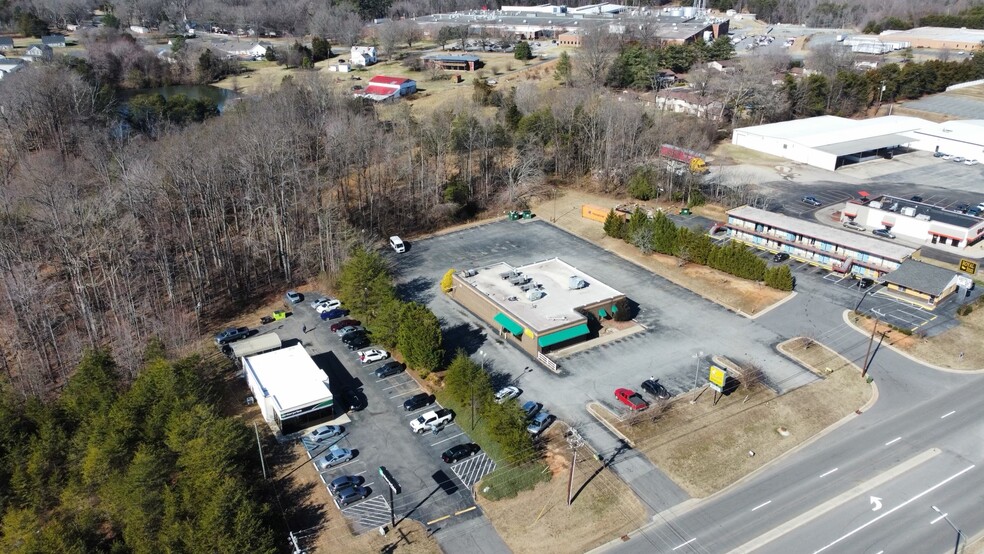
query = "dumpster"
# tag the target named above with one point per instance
(685, 211)
(279, 314)
(527, 214)
(513, 215)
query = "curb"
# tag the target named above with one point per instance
(604, 422)
(847, 319)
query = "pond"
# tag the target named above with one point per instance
(195, 92)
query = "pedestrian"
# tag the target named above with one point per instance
(304, 329)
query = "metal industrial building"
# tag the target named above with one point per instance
(537, 306)
(916, 221)
(960, 138)
(830, 142)
(835, 249)
(291, 390)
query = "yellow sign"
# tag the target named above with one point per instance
(717, 376)
(968, 266)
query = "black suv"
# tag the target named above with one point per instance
(355, 341)
(418, 401)
(653, 387)
(459, 452)
(388, 369)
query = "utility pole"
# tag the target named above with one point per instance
(697, 357)
(472, 387)
(864, 370)
(574, 441)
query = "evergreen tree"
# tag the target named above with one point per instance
(615, 225)
(563, 69)
(523, 51)
(420, 338)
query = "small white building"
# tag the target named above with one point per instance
(291, 390)
(253, 51)
(363, 55)
(139, 29)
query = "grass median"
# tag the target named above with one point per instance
(704, 447)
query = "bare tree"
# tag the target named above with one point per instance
(595, 55)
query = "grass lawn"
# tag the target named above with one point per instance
(704, 447)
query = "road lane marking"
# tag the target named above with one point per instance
(939, 518)
(686, 543)
(946, 415)
(893, 441)
(804, 518)
(762, 505)
(900, 506)
(828, 473)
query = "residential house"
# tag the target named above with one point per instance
(9, 66)
(253, 51)
(689, 102)
(724, 66)
(38, 52)
(382, 88)
(363, 55)
(139, 29)
(6, 44)
(53, 41)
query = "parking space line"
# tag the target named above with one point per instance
(394, 386)
(414, 391)
(435, 406)
(447, 439)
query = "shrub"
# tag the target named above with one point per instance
(622, 310)
(615, 225)
(966, 309)
(447, 283)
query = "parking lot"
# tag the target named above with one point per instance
(678, 323)
(380, 435)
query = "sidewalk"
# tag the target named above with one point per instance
(474, 535)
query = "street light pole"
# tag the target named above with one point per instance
(482, 352)
(956, 547)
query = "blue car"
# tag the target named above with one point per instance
(334, 314)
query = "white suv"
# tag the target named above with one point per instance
(397, 244)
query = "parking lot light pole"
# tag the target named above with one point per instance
(482, 352)
(697, 357)
(956, 547)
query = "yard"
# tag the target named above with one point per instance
(953, 349)
(705, 447)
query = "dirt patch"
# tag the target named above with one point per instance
(705, 447)
(737, 294)
(540, 520)
(953, 349)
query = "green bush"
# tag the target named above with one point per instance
(623, 310)
(966, 309)
(642, 184)
(615, 225)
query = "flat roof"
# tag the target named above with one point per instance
(452, 57)
(857, 241)
(830, 130)
(937, 33)
(969, 131)
(290, 377)
(259, 343)
(555, 308)
(935, 213)
(865, 144)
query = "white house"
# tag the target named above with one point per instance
(254, 51)
(38, 52)
(9, 66)
(139, 29)
(53, 41)
(363, 55)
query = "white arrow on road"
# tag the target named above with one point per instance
(876, 502)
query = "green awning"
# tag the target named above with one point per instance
(614, 309)
(602, 312)
(512, 326)
(561, 336)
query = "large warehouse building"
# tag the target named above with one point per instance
(291, 390)
(959, 138)
(830, 142)
(537, 306)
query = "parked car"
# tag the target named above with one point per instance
(962, 207)
(231, 335)
(947, 156)
(865, 282)
(344, 481)
(389, 369)
(959, 159)
(328, 306)
(334, 314)
(975, 211)
(780, 257)
(356, 341)
(325, 432)
(631, 398)
(345, 323)
(314, 304)
(811, 200)
(884, 233)
(459, 452)
(540, 422)
(336, 455)
(348, 495)
(350, 329)
(850, 224)
(653, 387)
(293, 297)
(418, 401)
(354, 399)
(396, 243)
(506, 393)
(938, 154)
(532, 408)
(916, 198)
(373, 355)
(971, 162)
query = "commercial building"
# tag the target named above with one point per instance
(291, 390)
(255, 345)
(538, 307)
(830, 142)
(916, 221)
(938, 37)
(926, 284)
(960, 138)
(835, 249)
(454, 62)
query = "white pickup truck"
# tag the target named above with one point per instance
(432, 420)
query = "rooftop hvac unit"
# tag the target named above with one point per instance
(508, 275)
(519, 280)
(876, 205)
(909, 211)
(922, 217)
(527, 287)
(575, 283)
(534, 294)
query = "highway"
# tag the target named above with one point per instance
(866, 487)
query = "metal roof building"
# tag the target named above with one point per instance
(291, 390)
(830, 142)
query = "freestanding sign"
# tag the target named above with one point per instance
(968, 266)
(717, 377)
